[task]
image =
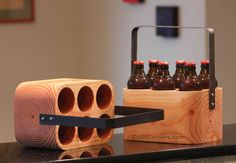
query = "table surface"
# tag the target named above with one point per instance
(121, 150)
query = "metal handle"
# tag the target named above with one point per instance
(132, 116)
(212, 84)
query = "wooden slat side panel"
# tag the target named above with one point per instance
(188, 119)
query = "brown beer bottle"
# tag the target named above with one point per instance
(204, 76)
(190, 82)
(153, 70)
(179, 72)
(163, 80)
(138, 80)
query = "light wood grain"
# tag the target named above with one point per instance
(46, 97)
(187, 117)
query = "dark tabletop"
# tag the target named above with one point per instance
(120, 150)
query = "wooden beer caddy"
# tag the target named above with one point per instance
(190, 117)
(71, 113)
(187, 117)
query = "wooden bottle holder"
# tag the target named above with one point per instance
(70, 97)
(190, 117)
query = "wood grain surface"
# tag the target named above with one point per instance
(187, 117)
(72, 97)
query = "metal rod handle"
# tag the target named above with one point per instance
(132, 116)
(212, 81)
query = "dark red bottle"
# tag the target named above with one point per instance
(138, 80)
(179, 72)
(153, 70)
(204, 76)
(163, 81)
(190, 82)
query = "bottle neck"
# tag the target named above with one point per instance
(164, 72)
(204, 70)
(179, 69)
(152, 70)
(138, 70)
(191, 72)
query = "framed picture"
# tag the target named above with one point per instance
(16, 11)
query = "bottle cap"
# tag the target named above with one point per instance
(153, 61)
(138, 62)
(205, 62)
(180, 62)
(190, 64)
(163, 63)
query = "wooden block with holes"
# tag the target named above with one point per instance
(72, 97)
(187, 117)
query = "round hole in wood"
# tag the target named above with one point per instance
(66, 134)
(66, 100)
(104, 96)
(85, 133)
(85, 98)
(104, 152)
(103, 133)
(67, 157)
(86, 154)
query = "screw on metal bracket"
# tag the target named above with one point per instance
(51, 118)
(212, 104)
(42, 118)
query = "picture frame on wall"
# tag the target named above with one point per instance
(16, 11)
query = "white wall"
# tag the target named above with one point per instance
(87, 39)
